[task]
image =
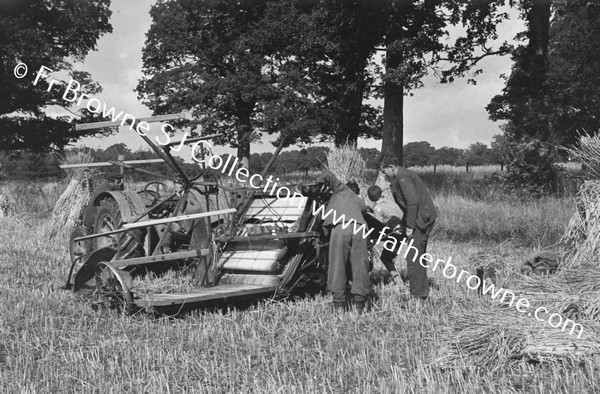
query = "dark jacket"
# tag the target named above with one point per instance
(411, 194)
(343, 201)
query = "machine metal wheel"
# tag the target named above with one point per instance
(113, 288)
(108, 218)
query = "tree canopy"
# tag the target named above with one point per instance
(304, 69)
(417, 43)
(574, 69)
(49, 33)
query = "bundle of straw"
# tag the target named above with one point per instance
(492, 338)
(572, 292)
(346, 164)
(583, 232)
(72, 202)
(587, 152)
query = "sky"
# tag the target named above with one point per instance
(442, 114)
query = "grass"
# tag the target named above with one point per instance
(538, 223)
(52, 341)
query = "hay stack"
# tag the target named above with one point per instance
(587, 152)
(582, 236)
(72, 202)
(583, 232)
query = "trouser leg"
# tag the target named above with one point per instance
(417, 274)
(388, 254)
(359, 262)
(337, 276)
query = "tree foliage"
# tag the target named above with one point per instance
(449, 156)
(479, 154)
(525, 106)
(416, 44)
(574, 69)
(418, 153)
(231, 64)
(47, 33)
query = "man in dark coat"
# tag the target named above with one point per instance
(411, 194)
(348, 257)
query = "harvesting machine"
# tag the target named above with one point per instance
(255, 246)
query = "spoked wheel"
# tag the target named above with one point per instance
(113, 288)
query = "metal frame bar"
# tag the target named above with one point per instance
(149, 119)
(111, 163)
(178, 218)
(160, 258)
(196, 139)
(310, 234)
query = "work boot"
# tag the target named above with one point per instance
(339, 308)
(359, 306)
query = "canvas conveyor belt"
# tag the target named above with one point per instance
(262, 262)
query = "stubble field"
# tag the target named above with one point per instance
(52, 341)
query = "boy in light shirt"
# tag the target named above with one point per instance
(389, 214)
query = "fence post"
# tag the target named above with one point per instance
(434, 167)
(501, 166)
(467, 166)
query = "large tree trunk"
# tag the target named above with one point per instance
(537, 64)
(244, 127)
(350, 122)
(393, 111)
(539, 27)
(355, 85)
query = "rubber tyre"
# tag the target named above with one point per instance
(80, 248)
(108, 218)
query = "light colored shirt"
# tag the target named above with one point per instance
(384, 209)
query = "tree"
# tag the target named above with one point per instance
(479, 154)
(524, 100)
(449, 156)
(349, 31)
(370, 156)
(500, 148)
(574, 66)
(524, 105)
(20, 165)
(115, 150)
(44, 33)
(418, 153)
(235, 65)
(415, 43)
